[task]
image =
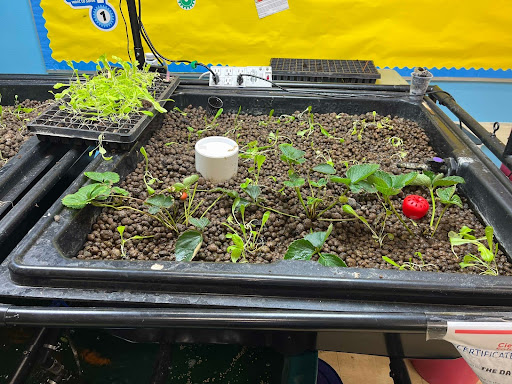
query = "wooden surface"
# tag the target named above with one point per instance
(357, 369)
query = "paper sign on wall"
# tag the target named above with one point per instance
(101, 13)
(486, 347)
(269, 7)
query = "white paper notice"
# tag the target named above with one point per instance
(269, 7)
(486, 347)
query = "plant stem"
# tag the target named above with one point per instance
(439, 219)
(328, 208)
(276, 211)
(433, 207)
(388, 201)
(302, 201)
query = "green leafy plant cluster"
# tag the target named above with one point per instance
(486, 261)
(410, 265)
(113, 94)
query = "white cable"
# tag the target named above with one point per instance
(202, 74)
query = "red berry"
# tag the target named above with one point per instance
(415, 207)
(183, 196)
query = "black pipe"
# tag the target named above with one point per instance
(29, 358)
(488, 139)
(213, 318)
(135, 27)
(397, 368)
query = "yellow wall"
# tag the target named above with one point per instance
(405, 33)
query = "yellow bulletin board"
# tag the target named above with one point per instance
(393, 33)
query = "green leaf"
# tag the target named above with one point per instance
(313, 200)
(75, 201)
(326, 169)
(120, 191)
(318, 239)
(489, 234)
(188, 181)
(360, 172)
(363, 185)
(330, 260)
(120, 229)
(340, 180)
(144, 153)
(259, 160)
(98, 192)
(295, 181)
(348, 209)
(103, 177)
(160, 201)
(200, 223)
(318, 184)
(187, 245)
(486, 254)
(456, 200)
(264, 219)
(300, 250)
(447, 181)
(422, 180)
(400, 181)
(230, 192)
(445, 194)
(291, 154)
(253, 191)
(153, 209)
(390, 261)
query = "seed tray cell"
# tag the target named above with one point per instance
(338, 71)
(55, 123)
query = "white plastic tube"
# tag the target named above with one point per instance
(217, 158)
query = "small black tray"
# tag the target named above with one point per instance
(337, 71)
(61, 126)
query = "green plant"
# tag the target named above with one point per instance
(246, 237)
(268, 121)
(120, 229)
(431, 181)
(312, 244)
(212, 124)
(180, 111)
(189, 242)
(149, 180)
(113, 94)
(359, 132)
(410, 265)
(100, 149)
(18, 110)
(486, 262)
(447, 197)
(310, 121)
(377, 235)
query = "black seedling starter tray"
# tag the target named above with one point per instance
(337, 71)
(61, 126)
(46, 256)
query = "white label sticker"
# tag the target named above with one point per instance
(486, 347)
(269, 7)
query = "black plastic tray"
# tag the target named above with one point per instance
(29, 180)
(60, 126)
(44, 257)
(337, 71)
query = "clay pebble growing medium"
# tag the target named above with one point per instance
(350, 240)
(13, 127)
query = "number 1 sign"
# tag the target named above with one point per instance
(102, 14)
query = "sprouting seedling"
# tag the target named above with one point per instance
(486, 262)
(121, 229)
(102, 151)
(355, 128)
(149, 180)
(410, 265)
(113, 94)
(18, 110)
(180, 111)
(378, 235)
(237, 124)
(396, 141)
(312, 244)
(246, 237)
(447, 197)
(310, 120)
(190, 132)
(213, 124)
(268, 121)
(431, 181)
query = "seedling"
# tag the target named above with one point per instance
(246, 237)
(447, 197)
(149, 180)
(312, 244)
(189, 242)
(268, 121)
(113, 94)
(358, 127)
(410, 265)
(310, 121)
(120, 229)
(378, 235)
(102, 151)
(212, 124)
(180, 111)
(18, 110)
(486, 262)
(431, 181)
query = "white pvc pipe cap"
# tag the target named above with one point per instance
(217, 158)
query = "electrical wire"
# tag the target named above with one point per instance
(126, 31)
(159, 56)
